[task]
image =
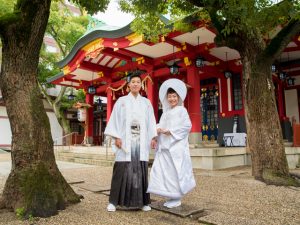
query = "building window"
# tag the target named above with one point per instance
(237, 92)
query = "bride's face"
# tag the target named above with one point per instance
(172, 99)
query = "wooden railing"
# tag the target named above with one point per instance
(76, 139)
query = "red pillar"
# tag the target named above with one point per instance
(89, 122)
(193, 99)
(281, 107)
(224, 95)
(152, 94)
(109, 104)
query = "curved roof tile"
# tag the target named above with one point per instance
(89, 37)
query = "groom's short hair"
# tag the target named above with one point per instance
(132, 76)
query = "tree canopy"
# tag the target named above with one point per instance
(65, 29)
(232, 18)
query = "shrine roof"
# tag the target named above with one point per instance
(106, 54)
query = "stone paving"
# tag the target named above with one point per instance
(226, 197)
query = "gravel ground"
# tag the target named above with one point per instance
(229, 197)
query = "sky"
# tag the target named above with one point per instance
(113, 16)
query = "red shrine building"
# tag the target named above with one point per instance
(101, 60)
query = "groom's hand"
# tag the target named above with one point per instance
(118, 142)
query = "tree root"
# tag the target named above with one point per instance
(80, 196)
(42, 192)
(296, 176)
(271, 178)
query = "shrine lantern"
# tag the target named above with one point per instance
(81, 114)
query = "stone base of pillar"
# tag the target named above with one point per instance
(195, 138)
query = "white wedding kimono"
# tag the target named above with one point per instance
(172, 173)
(127, 109)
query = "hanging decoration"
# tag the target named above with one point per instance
(183, 46)
(71, 96)
(273, 68)
(121, 87)
(92, 88)
(113, 90)
(101, 74)
(199, 59)
(187, 62)
(290, 81)
(174, 68)
(146, 79)
(282, 75)
(140, 60)
(227, 72)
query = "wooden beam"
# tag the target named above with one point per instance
(116, 54)
(86, 65)
(293, 73)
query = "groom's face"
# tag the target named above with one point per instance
(135, 85)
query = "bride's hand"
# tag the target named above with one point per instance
(166, 132)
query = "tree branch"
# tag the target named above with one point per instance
(215, 21)
(58, 42)
(212, 8)
(61, 94)
(64, 4)
(282, 39)
(45, 94)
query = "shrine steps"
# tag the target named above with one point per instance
(93, 155)
(210, 157)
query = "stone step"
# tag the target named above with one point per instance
(205, 144)
(97, 162)
(288, 144)
(85, 156)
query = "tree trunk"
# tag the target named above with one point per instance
(264, 134)
(34, 183)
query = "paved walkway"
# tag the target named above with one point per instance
(5, 166)
(228, 197)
